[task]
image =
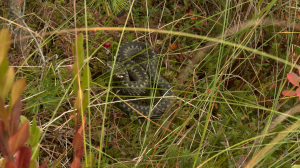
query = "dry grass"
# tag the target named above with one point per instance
(225, 98)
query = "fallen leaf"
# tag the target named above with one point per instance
(172, 46)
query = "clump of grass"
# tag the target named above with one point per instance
(229, 98)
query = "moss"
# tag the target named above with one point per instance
(60, 2)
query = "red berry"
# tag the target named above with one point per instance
(106, 44)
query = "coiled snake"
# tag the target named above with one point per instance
(135, 60)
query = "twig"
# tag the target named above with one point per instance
(37, 45)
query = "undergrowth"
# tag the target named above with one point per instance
(229, 98)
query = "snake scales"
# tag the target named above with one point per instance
(136, 72)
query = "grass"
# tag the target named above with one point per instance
(225, 98)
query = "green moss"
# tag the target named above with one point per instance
(60, 2)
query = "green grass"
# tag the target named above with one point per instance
(229, 98)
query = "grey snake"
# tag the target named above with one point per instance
(136, 72)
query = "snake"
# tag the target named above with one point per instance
(136, 72)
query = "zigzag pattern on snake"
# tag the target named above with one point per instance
(136, 66)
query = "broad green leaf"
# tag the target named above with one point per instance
(3, 69)
(33, 164)
(79, 58)
(85, 100)
(86, 78)
(17, 90)
(79, 51)
(74, 76)
(78, 100)
(36, 137)
(34, 127)
(4, 44)
(36, 154)
(34, 134)
(23, 119)
(7, 83)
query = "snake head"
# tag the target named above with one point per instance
(117, 68)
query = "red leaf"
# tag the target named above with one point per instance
(81, 126)
(293, 78)
(43, 165)
(80, 152)
(23, 157)
(78, 145)
(77, 141)
(9, 164)
(14, 118)
(76, 163)
(172, 46)
(3, 113)
(298, 92)
(289, 93)
(16, 141)
(3, 141)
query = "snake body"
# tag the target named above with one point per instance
(139, 63)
